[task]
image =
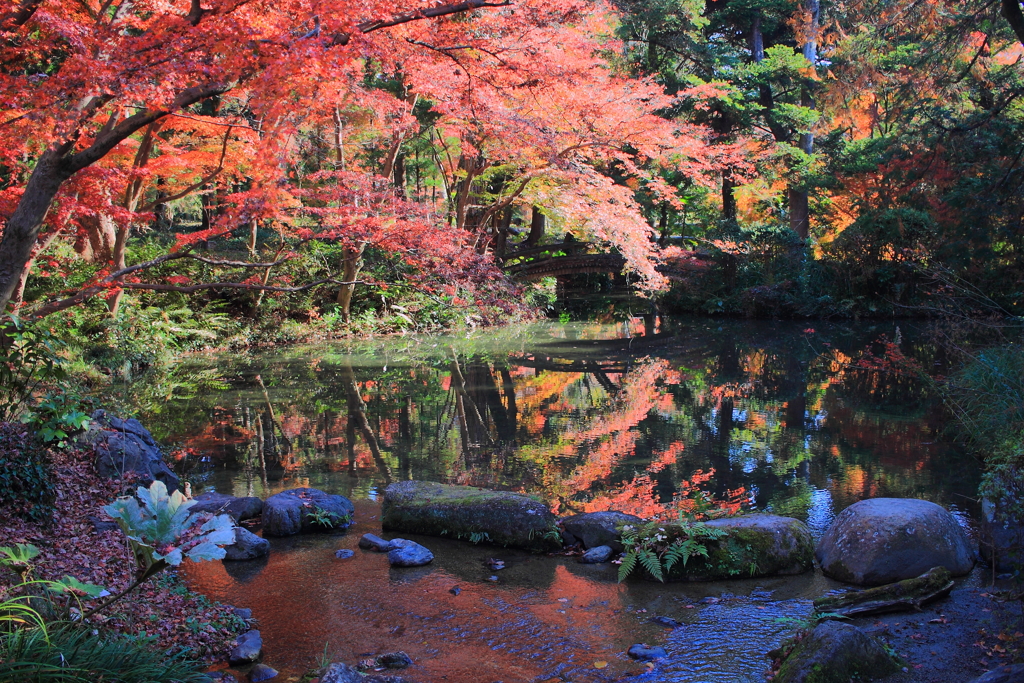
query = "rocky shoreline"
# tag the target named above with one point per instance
(907, 550)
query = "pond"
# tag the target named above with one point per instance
(645, 416)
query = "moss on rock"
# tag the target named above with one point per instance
(471, 514)
(753, 546)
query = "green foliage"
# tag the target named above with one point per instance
(73, 653)
(655, 550)
(58, 415)
(28, 362)
(327, 519)
(162, 532)
(987, 396)
(26, 482)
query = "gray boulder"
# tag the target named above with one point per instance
(248, 648)
(836, 653)
(239, 509)
(375, 543)
(304, 510)
(601, 553)
(468, 513)
(261, 672)
(408, 554)
(599, 528)
(247, 546)
(126, 447)
(1003, 535)
(884, 540)
(1011, 673)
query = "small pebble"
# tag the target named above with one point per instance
(454, 590)
(492, 578)
(344, 554)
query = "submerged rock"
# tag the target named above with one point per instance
(409, 554)
(641, 652)
(262, 672)
(344, 554)
(239, 509)
(594, 529)
(375, 543)
(1011, 673)
(601, 553)
(247, 546)
(126, 447)
(836, 653)
(304, 510)
(393, 660)
(470, 514)
(883, 540)
(242, 613)
(343, 673)
(247, 650)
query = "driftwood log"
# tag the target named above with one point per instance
(906, 595)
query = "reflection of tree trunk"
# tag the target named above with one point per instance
(261, 452)
(605, 382)
(350, 443)
(404, 434)
(795, 409)
(509, 389)
(483, 377)
(459, 383)
(351, 266)
(273, 419)
(357, 416)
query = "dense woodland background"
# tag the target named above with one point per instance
(228, 166)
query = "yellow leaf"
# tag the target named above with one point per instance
(600, 665)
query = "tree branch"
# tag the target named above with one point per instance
(416, 15)
(1012, 12)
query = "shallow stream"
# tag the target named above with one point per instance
(640, 416)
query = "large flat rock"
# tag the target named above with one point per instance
(884, 540)
(471, 514)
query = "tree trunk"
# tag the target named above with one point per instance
(799, 215)
(728, 200)
(351, 266)
(22, 228)
(537, 224)
(96, 245)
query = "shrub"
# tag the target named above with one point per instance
(987, 396)
(26, 482)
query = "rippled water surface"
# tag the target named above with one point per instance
(797, 419)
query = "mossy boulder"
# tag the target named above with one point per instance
(753, 546)
(836, 653)
(304, 510)
(883, 540)
(468, 513)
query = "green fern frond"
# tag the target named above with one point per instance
(628, 564)
(652, 563)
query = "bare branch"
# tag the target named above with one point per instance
(188, 289)
(416, 15)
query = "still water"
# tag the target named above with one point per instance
(798, 419)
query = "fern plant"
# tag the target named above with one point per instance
(657, 547)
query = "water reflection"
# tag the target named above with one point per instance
(776, 417)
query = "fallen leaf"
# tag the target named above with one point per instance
(600, 665)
